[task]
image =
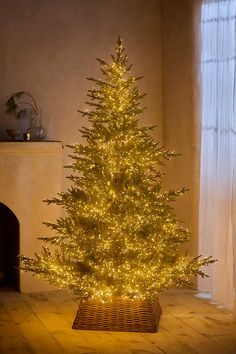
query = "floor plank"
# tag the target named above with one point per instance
(137, 343)
(71, 341)
(11, 340)
(191, 337)
(168, 343)
(105, 343)
(28, 324)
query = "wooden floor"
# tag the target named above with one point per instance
(41, 323)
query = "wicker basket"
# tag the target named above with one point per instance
(122, 315)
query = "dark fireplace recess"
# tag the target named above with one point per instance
(9, 249)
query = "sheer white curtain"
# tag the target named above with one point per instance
(218, 148)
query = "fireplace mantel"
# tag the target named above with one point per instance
(30, 173)
(30, 146)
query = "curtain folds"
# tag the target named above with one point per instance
(217, 218)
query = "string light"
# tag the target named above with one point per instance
(120, 236)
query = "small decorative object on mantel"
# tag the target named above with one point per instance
(15, 134)
(119, 244)
(23, 105)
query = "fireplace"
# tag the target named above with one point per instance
(30, 173)
(9, 249)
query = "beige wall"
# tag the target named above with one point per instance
(49, 47)
(180, 105)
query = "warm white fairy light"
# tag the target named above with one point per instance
(120, 236)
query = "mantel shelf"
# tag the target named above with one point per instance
(30, 146)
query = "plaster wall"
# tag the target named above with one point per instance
(181, 106)
(49, 48)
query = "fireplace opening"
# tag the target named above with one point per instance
(9, 249)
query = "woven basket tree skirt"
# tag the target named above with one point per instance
(121, 315)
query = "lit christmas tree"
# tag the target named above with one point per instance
(120, 236)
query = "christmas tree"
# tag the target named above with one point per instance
(120, 236)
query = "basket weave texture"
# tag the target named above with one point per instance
(122, 315)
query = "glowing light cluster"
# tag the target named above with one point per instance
(120, 236)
